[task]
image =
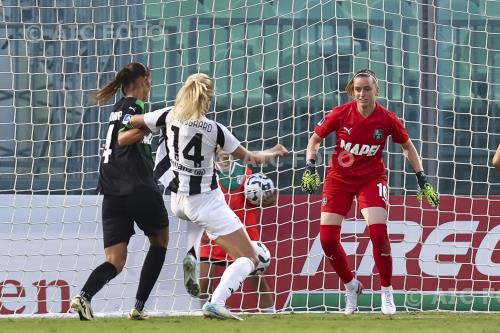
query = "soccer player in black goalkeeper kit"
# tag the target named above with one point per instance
(130, 193)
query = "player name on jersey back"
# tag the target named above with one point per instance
(200, 124)
(189, 145)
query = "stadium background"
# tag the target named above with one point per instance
(278, 66)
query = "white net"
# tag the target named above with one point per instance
(277, 65)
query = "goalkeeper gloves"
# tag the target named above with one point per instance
(426, 190)
(310, 179)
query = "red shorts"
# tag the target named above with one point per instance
(338, 196)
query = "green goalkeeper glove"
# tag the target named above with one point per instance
(310, 179)
(426, 190)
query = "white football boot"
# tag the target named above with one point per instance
(191, 275)
(211, 311)
(388, 306)
(353, 290)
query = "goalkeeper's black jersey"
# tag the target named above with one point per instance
(125, 169)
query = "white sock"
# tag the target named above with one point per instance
(193, 238)
(232, 279)
(351, 285)
(387, 288)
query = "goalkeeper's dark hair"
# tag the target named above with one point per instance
(349, 89)
(126, 77)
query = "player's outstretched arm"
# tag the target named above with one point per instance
(496, 159)
(153, 121)
(426, 190)
(137, 121)
(259, 157)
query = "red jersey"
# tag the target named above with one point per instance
(237, 201)
(360, 141)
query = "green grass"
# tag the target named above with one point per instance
(317, 323)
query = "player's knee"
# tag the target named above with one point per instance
(160, 240)
(118, 263)
(116, 260)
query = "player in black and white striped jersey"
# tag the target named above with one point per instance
(191, 142)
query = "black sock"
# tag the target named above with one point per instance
(97, 279)
(149, 274)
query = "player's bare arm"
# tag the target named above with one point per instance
(313, 146)
(426, 189)
(132, 136)
(412, 155)
(259, 157)
(137, 121)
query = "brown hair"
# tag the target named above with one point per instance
(193, 99)
(349, 89)
(125, 77)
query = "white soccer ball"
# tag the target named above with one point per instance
(264, 257)
(256, 186)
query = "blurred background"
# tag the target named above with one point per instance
(278, 67)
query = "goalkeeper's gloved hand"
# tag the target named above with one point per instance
(310, 179)
(426, 190)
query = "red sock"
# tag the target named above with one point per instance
(330, 241)
(381, 252)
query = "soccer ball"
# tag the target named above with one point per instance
(256, 186)
(264, 257)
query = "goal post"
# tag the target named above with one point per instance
(278, 67)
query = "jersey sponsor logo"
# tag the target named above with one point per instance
(359, 150)
(378, 134)
(348, 130)
(114, 116)
(126, 119)
(181, 167)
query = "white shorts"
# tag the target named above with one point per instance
(208, 210)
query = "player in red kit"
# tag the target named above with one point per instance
(232, 178)
(357, 169)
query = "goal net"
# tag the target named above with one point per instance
(278, 67)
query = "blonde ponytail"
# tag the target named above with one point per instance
(193, 99)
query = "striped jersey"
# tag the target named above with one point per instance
(190, 146)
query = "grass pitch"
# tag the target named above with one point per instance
(317, 323)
